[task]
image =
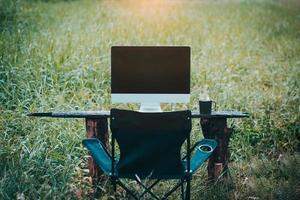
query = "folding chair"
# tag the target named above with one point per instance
(150, 147)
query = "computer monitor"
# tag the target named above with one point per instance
(150, 75)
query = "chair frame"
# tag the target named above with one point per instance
(186, 178)
(108, 163)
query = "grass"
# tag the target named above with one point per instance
(55, 55)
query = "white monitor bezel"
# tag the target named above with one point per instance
(149, 98)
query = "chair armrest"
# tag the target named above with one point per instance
(99, 154)
(203, 150)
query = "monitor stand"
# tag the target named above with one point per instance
(150, 107)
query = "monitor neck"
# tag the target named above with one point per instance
(150, 107)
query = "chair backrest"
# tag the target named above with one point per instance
(150, 143)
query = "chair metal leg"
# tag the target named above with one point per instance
(182, 190)
(127, 190)
(114, 184)
(185, 195)
(146, 188)
(171, 191)
(188, 189)
(150, 187)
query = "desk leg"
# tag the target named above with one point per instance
(216, 128)
(96, 128)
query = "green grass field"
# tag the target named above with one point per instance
(55, 56)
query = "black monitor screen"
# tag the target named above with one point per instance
(158, 70)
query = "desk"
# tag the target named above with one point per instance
(214, 126)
